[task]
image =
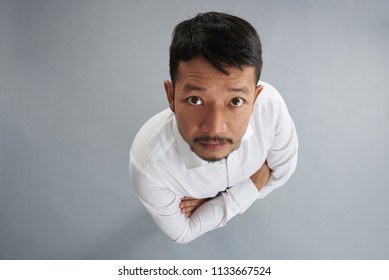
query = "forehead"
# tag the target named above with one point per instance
(199, 69)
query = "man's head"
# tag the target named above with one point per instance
(221, 39)
(215, 64)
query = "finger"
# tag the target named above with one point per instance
(186, 203)
(191, 203)
(188, 209)
(188, 214)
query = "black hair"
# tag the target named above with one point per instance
(222, 39)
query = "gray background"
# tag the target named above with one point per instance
(79, 78)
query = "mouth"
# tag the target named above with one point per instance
(213, 143)
(213, 146)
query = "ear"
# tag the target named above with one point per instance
(169, 89)
(258, 90)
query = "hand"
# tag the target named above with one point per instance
(189, 204)
(261, 177)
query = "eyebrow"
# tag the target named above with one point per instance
(191, 87)
(243, 90)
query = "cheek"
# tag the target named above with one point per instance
(238, 124)
(187, 122)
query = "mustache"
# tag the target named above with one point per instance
(215, 138)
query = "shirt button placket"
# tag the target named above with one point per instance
(232, 169)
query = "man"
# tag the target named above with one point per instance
(226, 139)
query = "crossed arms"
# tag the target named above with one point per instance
(189, 204)
(184, 219)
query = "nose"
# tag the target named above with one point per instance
(214, 122)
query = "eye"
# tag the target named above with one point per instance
(194, 100)
(237, 102)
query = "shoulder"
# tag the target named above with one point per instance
(153, 139)
(269, 100)
(269, 94)
(269, 106)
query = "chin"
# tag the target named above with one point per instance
(211, 157)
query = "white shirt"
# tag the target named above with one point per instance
(163, 168)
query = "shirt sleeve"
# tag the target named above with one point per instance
(163, 205)
(282, 160)
(282, 156)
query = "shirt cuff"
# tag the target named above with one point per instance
(244, 194)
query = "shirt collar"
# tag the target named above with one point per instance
(190, 159)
